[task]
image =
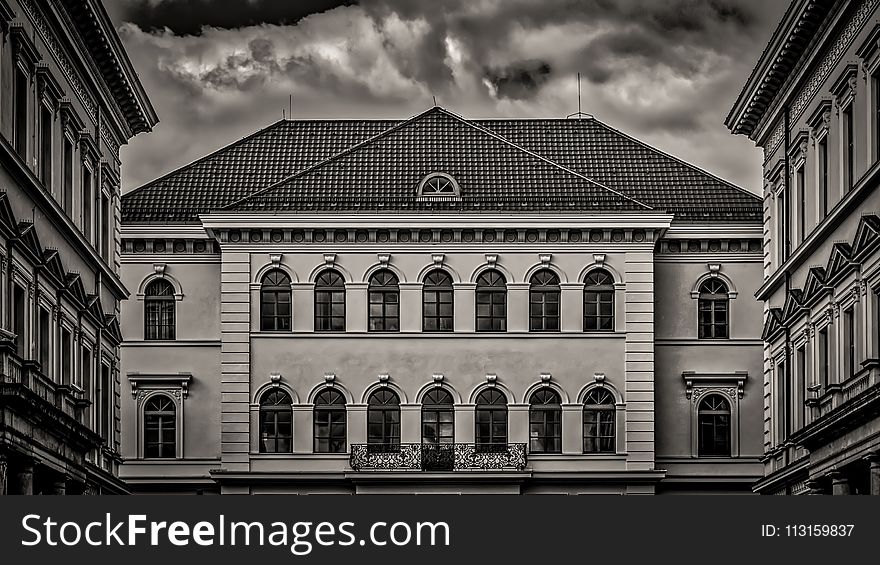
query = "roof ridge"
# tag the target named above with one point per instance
(329, 159)
(199, 160)
(678, 160)
(503, 139)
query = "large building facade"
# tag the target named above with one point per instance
(441, 305)
(813, 105)
(68, 99)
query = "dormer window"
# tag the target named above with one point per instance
(439, 186)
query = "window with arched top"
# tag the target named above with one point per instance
(544, 295)
(437, 302)
(713, 306)
(159, 305)
(545, 422)
(329, 422)
(276, 422)
(438, 431)
(160, 427)
(491, 421)
(713, 421)
(383, 422)
(439, 185)
(384, 307)
(275, 302)
(329, 302)
(599, 422)
(599, 302)
(491, 302)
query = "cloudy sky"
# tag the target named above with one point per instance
(665, 71)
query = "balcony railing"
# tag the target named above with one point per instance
(27, 375)
(438, 457)
(838, 394)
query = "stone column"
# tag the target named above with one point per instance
(59, 487)
(25, 479)
(839, 483)
(4, 466)
(874, 469)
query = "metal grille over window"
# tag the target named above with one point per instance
(159, 310)
(713, 310)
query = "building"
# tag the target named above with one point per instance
(813, 105)
(68, 99)
(440, 304)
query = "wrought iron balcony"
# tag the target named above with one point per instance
(438, 457)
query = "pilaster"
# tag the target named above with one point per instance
(235, 357)
(639, 360)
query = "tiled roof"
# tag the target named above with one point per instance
(590, 164)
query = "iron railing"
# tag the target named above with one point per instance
(438, 457)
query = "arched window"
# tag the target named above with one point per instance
(599, 302)
(599, 419)
(438, 431)
(437, 302)
(330, 419)
(491, 295)
(713, 307)
(275, 303)
(160, 428)
(545, 422)
(713, 419)
(383, 422)
(544, 302)
(159, 310)
(491, 421)
(384, 311)
(276, 422)
(330, 302)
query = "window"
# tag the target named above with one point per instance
(383, 422)
(849, 342)
(544, 302)
(330, 422)
(823, 177)
(599, 422)
(106, 228)
(104, 410)
(45, 330)
(20, 104)
(491, 297)
(46, 147)
(849, 153)
(823, 357)
(66, 357)
(781, 228)
(275, 302)
(782, 399)
(875, 81)
(599, 302)
(329, 302)
(714, 427)
(67, 176)
(437, 301)
(800, 181)
(545, 422)
(160, 428)
(439, 185)
(18, 299)
(276, 422)
(438, 431)
(159, 311)
(87, 202)
(802, 384)
(384, 307)
(713, 306)
(491, 421)
(85, 374)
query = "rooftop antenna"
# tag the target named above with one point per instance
(290, 105)
(435, 99)
(579, 114)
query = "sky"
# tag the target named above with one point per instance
(664, 71)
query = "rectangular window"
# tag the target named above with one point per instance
(46, 147)
(18, 309)
(781, 227)
(823, 177)
(104, 410)
(67, 176)
(781, 402)
(87, 202)
(849, 152)
(65, 356)
(85, 375)
(45, 330)
(802, 203)
(823, 358)
(106, 227)
(875, 80)
(849, 342)
(802, 384)
(20, 107)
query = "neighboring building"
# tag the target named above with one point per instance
(441, 305)
(813, 105)
(68, 99)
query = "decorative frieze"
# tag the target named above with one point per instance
(170, 246)
(687, 246)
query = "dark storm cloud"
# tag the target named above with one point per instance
(520, 80)
(188, 17)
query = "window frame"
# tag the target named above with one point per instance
(717, 416)
(166, 307)
(389, 410)
(707, 302)
(600, 289)
(497, 414)
(329, 285)
(324, 407)
(603, 403)
(272, 414)
(545, 406)
(147, 413)
(276, 284)
(485, 287)
(383, 291)
(540, 286)
(438, 285)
